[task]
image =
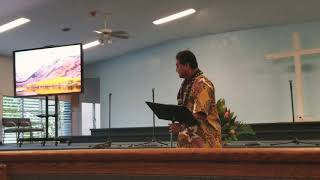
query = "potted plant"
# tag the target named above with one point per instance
(231, 129)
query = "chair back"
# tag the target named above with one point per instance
(16, 122)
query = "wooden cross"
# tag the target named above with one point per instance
(296, 53)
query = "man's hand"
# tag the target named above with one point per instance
(176, 128)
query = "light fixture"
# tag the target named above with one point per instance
(174, 16)
(13, 24)
(91, 44)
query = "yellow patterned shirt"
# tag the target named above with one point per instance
(198, 95)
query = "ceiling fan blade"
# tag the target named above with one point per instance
(120, 34)
(97, 31)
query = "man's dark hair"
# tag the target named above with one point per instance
(187, 57)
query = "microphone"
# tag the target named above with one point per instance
(153, 95)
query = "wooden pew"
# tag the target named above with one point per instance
(249, 162)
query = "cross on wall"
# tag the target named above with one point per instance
(296, 53)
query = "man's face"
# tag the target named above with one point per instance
(181, 69)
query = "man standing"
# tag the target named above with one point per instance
(198, 95)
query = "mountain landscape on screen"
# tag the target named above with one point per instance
(61, 75)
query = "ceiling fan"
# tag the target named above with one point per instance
(106, 34)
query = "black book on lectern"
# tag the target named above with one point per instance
(173, 113)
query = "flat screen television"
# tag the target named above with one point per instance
(48, 71)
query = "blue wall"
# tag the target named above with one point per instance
(257, 90)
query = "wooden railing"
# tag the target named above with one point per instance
(249, 162)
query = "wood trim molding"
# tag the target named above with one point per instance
(251, 162)
(3, 172)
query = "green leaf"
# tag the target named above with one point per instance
(231, 115)
(233, 120)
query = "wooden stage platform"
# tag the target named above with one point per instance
(301, 163)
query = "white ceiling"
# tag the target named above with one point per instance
(136, 16)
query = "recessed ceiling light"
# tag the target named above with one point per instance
(174, 16)
(90, 44)
(13, 24)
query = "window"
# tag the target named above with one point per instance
(30, 108)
